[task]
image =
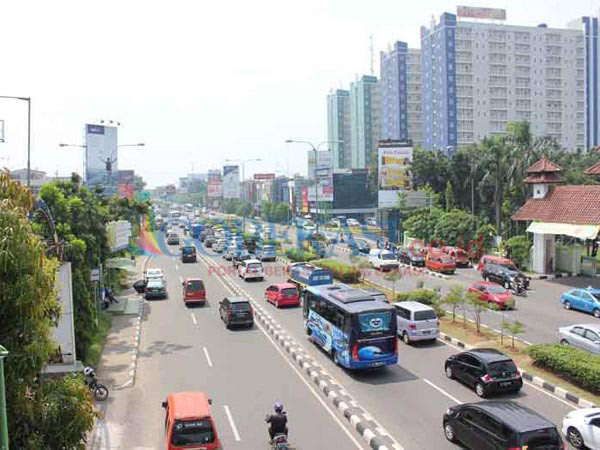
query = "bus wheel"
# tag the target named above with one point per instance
(336, 358)
(308, 331)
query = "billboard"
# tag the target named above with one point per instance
(264, 176)
(305, 199)
(118, 234)
(215, 189)
(125, 186)
(64, 333)
(231, 182)
(481, 13)
(394, 173)
(320, 173)
(101, 157)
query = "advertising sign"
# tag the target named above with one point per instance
(394, 173)
(125, 188)
(231, 182)
(118, 234)
(264, 176)
(215, 188)
(305, 199)
(64, 333)
(320, 173)
(481, 13)
(101, 162)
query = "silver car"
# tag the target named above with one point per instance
(584, 336)
(416, 322)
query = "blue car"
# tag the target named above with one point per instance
(587, 300)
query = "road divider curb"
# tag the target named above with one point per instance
(375, 436)
(533, 379)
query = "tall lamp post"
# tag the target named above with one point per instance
(314, 149)
(28, 100)
(242, 163)
(3, 418)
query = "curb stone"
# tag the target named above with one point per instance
(136, 340)
(375, 436)
(534, 379)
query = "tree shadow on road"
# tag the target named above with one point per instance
(162, 348)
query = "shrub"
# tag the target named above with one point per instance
(577, 366)
(345, 273)
(296, 255)
(425, 296)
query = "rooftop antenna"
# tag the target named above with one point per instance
(372, 54)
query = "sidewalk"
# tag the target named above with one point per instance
(118, 362)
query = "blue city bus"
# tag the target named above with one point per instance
(354, 326)
(304, 275)
(196, 229)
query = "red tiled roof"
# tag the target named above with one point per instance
(579, 205)
(551, 177)
(594, 170)
(543, 165)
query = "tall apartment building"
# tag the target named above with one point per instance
(365, 112)
(477, 76)
(401, 93)
(338, 127)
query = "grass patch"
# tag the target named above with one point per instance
(98, 339)
(489, 338)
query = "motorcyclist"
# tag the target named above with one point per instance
(277, 422)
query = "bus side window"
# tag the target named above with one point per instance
(338, 319)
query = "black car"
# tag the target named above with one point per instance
(499, 425)
(360, 245)
(188, 253)
(236, 311)
(504, 275)
(242, 256)
(411, 257)
(487, 370)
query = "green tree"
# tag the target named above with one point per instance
(28, 312)
(430, 167)
(454, 226)
(518, 249)
(449, 196)
(421, 224)
(514, 328)
(486, 232)
(393, 276)
(477, 307)
(455, 298)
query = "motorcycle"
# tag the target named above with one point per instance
(99, 390)
(518, 287)
(280, 442)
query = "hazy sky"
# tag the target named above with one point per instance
(201, 81)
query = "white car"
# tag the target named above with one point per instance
(172, 238)
(220, 245)
(352, 222)
(251, 269)
(581, 427)
(153, 274)
(382, 259)
(372, 221)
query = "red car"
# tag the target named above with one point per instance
(493, 259)
(440, 262)
(460, 256)
(282, 294)
(194, 291)
(493, 293)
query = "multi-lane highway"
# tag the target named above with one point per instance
(242, 370)
(245, 372)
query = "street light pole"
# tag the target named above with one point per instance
(3, 417)
(28, 100)
(315, 149)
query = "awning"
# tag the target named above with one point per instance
(121, 263)
(568, 229)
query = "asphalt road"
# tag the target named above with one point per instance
(241, 370)
(408, 399)
(540, 312)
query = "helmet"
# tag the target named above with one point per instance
(278, 407)
(88, 371)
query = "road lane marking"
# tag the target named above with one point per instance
(296, 371)
(207, 357)
(236, 435)
(176, 266)
(180, 279)
(439, 389)
(194, 319)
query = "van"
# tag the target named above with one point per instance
(172, 238)
(382, 259)
(416, 322)
(189, 422)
